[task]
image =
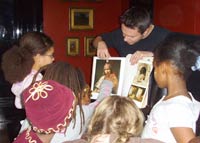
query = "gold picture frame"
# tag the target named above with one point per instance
(73, 44)
(81, 18)
(89, 49)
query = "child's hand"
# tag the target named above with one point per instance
(86, 94)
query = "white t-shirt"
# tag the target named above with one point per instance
(18, 88)
(179, 111)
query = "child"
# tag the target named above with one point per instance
(68, 75)
(86, 91)
(49, 107)
(116, 120)
(20, 63)
(86, 94)
(173, 118)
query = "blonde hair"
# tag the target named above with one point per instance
(116, 115)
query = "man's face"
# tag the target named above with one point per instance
(131, 36)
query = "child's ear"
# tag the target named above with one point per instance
(167, 69)
(163, 67)
(36, 58)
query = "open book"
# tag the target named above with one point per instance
(128, 80)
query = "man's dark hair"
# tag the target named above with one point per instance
(136, 17)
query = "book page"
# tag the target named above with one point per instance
(114, 66)
(136, 80)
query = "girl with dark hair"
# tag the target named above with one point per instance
(86, 91)
(20, 63)
(173, 118)
(40, 111)
(73, 78)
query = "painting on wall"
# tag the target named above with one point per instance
(73, 46)
(89, 49)
(81, 19)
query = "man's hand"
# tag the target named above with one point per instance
(102, 50)
(139, 55)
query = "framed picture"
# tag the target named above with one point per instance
(113, 67)
(81, 19)
(73, 46)
(89, 49)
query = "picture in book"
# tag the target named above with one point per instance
(107, 69)
(128, 80)
(140, 82)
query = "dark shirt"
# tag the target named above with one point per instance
(115, 40)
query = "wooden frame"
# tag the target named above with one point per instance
(81, 19)
(73, 44)
(89, 49)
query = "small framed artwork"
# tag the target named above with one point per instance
(73, 46)
(81, 19)
(89, 49)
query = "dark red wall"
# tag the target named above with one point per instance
(56, 24)
(178, 15)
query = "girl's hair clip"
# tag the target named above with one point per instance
(197, 65)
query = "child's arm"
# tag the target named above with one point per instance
(182, 134)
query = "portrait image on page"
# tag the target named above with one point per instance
(139, 82)
(142, 75)
(136, 93)
(106, 69)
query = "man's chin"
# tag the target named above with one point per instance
(130, 43)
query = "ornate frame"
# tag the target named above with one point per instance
(89, 49)
(73, 46)
(81, 18)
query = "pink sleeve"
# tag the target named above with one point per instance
(105, 90)
(18, 88)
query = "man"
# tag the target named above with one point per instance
(137, 36)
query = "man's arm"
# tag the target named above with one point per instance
(102, 49)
